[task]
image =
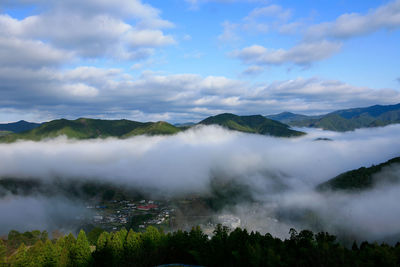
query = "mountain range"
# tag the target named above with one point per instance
(85, 128)
(252, 124)
(344, 120)
(275, 125)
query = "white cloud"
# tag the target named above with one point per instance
(270, 11)
(30, 53)
(113, 29)
(354, 24)
(253, 70)
(112, 93)
(301, 54)
(80, 90)
(148, 38)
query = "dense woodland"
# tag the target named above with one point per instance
(153, 247)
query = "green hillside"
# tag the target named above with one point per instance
(360, 179)
(157, 128)
(252, 124)
(351, 119)
(287, 117)
(92, 128)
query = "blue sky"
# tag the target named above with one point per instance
(183, 60)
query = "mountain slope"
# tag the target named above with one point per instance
(17, 127)
(360, 179)
(286, 117)
(92, 128)
(351, 119)
(252, 124)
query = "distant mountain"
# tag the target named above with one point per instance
(17, 127)
(185, 124)
(286, 117)
(92, 128)
(360, 179)
(252, 124)
(351, 119)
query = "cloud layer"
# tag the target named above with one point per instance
(280, 173)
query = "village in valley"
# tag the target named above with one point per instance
(168, 215)
(113, 215)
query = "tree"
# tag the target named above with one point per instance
(20, 257)
(49, 254)
(133, 246)
(35, 254)
(81, 254)
(116, 247)
(3, 251)
(94, 234)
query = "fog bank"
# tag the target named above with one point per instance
(280, 172)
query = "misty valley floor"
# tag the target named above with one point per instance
(203, 176)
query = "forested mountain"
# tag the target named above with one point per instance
(287, 117)
(351, 119)
(85, 128)
(252, 124)
(360, 179)
(92, 128)
(17, 127)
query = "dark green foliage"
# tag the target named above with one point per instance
(3, 251)
(225, 248)
(92, 128)
(252, 124)
(360, 179)
(94, 234)
(81, 254)
(350, 119)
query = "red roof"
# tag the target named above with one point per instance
(147, 207)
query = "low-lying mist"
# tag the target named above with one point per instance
(280, 174)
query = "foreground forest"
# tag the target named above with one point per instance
(153, 247)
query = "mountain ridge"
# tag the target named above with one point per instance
(345, 119)
(86, 128)
(357, 179)
(252, 124)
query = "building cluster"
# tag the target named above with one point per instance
(116, 214)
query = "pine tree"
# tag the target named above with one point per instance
(20, 257)
(49, 254)
(81, 254)
(116, 246)
(3, 251)
(35, 254)
(133, 246)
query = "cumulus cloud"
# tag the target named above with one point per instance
(301, 54)
(122, 29)
(354, 24)
(280, 173)
(112, 93)
(30, 53)
(319, 41)
(259, 20)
